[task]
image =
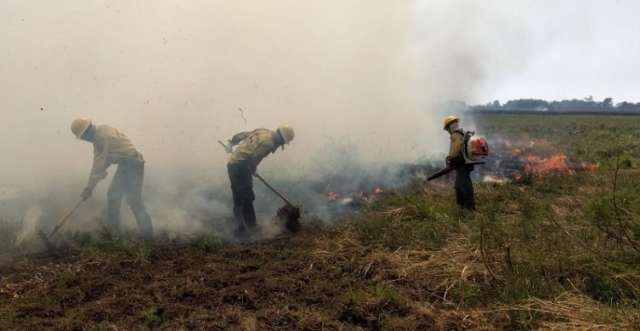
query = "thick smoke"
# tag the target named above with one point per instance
(359, 80)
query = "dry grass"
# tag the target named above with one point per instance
(544, 254)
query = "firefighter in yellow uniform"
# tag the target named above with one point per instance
(112, 147)
(456, 159)
(250, 149)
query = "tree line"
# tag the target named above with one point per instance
(587, 104)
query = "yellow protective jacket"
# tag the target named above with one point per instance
(109, 146)
(253, 146)
(457, 146)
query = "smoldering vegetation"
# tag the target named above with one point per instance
(183, 206)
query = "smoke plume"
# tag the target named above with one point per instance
(360, 81)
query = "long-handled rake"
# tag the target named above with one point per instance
(47, 238)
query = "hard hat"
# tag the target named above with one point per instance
(449, 120)
(79, 126)
(287, 133)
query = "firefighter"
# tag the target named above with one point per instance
(456, 159)
(250, 149)
(112, 147)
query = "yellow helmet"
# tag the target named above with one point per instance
(450, 120)
(287, 133)
(79, 126)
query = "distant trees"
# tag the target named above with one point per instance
(587, 104)
(628, 106)
(528, 104)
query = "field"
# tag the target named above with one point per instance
(552, 250)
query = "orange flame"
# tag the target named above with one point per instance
(540, 157)
(556, 163)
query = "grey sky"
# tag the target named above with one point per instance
(573, 48)
(581, 48)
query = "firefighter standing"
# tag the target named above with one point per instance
(456, 159)
(112, 147)
(250, 149)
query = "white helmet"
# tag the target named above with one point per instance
(287, 133)
(79, 126)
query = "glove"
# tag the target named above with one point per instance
(253, 167)
(86, 193)
(227, 147)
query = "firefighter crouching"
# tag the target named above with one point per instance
(247, 150)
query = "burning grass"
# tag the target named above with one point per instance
(526, 159)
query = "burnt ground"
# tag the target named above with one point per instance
(172, 287)
(283, 284)
(319, 279)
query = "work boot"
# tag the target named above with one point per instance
(144, 224)
(241, 234)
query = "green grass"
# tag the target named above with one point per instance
(556, 251)
(539, 239)
(583, 137)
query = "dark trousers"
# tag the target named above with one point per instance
(243, 196)
(127, 183)
(464, 188)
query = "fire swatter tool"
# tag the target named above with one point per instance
(288, 213)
